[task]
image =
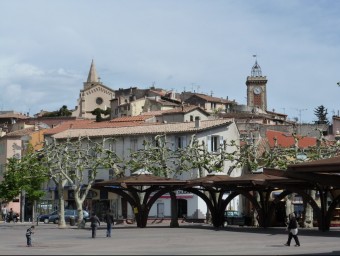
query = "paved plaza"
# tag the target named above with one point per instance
(160, 239)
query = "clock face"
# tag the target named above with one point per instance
(257, 90)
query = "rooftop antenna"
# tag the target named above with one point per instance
(192, 87)
(198, 87)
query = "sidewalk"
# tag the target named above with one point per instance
(160, 239)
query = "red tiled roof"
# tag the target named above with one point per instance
(286, 140)
(131, 118)
(92, 124)
(185, 109)
(50, 121)
(67, 125)
(13, 115)
(164, 102)
(20, 132)
(212, 99)
(126, 128)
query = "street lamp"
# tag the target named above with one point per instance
(24, 143)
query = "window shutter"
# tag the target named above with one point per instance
(209, 143)
(184, 143)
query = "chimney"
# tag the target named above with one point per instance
(197, 123)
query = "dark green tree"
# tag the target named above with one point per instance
(98, 112)
(25, 174)
(321, 114)
(63, 111)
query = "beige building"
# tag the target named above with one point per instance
(178, 135)
(93, 95)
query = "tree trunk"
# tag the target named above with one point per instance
(34, 210)
(174, 217)
(61, 209)
(309, 212)
(79, 204)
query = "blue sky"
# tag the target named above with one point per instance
(46, 48)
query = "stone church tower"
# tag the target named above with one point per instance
(93, 95)
(257, 89)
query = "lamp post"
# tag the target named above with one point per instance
(300, 110)
(24, 142)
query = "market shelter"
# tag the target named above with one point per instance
(323, 176)
(141, 190)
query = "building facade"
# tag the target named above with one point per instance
(127, 139)
(93, 95)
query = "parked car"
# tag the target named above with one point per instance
(68, 215)
(234, 218)
(44, 217)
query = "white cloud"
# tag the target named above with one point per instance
(47, 46)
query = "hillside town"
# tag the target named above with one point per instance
(135, 117)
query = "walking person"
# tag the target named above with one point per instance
(29, 233)
(95, 222)
(4, 213)
(10, 216)
(293, 230)
(109, 222)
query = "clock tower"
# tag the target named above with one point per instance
(256, 88)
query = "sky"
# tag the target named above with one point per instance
(206, 46)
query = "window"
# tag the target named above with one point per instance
(191, 118)
(134, 145)
(214, 143)
(99, 100)
(181, 142)
(2, 149)
(111, 174)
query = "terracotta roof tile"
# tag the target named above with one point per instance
(131, 118)
(143, 128)
(185, 109)
(13, 115)
(286, 140)
(20, 132)
(212, 99)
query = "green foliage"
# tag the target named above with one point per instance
(321, 114)
(156, 157)
(159, 158)
(26, 174)
(279, 157)
(77, 162)
(98, 112)
(63, 111)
